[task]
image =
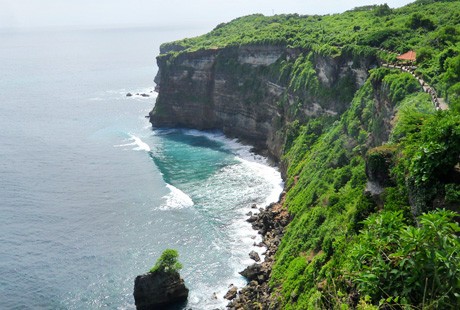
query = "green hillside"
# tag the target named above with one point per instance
(373, 214)
(429, 27)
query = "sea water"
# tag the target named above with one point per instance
(90, 195)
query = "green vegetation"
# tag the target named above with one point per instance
(345, 248)
(167, 262)
(431, 28)
(408, 264)
(349, 245)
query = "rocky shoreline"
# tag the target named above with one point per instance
(270, 223)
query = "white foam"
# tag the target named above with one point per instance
(271, 175)
(248, 180)
(163, 132)
(258, 183)
(137, 142)
(234, 145)
(141, 145)
(176, 199)
(256, 163)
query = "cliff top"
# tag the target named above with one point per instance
(431, 28)
(409, 27)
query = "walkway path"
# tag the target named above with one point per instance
(439, 103)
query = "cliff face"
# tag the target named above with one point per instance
(241, 91)
(300, 88)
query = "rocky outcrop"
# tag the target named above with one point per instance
(255, 256)
(159, 289)
(239, 91)
(271, 223)
(254, 272)
(231, 293)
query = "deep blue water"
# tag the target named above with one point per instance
(90, 195)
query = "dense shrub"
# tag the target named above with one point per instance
(167, 262)
(408, 265)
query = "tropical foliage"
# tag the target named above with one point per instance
(430, 27)
(167, 262)
(348, 245)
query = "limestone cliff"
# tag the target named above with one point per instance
(363, 151)
(247, 91)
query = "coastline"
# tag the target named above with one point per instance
(270, 222)
(241, 234)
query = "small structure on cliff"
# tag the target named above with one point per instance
(409, 56)
(162, 286)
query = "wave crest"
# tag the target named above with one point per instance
(176, 199)
(137, 142)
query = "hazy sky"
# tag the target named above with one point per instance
(45, 13)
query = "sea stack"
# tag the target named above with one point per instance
(159, 289)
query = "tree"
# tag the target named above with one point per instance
(167, 262)
(382, 10)
(417, 20)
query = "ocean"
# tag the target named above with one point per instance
(90, 194)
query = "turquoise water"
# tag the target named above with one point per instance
(90, 195)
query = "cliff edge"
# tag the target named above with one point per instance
(239, 90)
(371, 168)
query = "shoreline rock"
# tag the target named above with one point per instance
(254, 256)
(270, 223)
(231, 293)
(159, 289)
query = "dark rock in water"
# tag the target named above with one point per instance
(156, 290)
(129, 95)
(231, 293)
(252, 219)
(145, 95)
(255, 256)
(252, 272)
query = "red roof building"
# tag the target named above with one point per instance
(409, 56)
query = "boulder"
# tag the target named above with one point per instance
(129, 95)
(252, 272)
(231, 293)
(159, 289)
(255, 256)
